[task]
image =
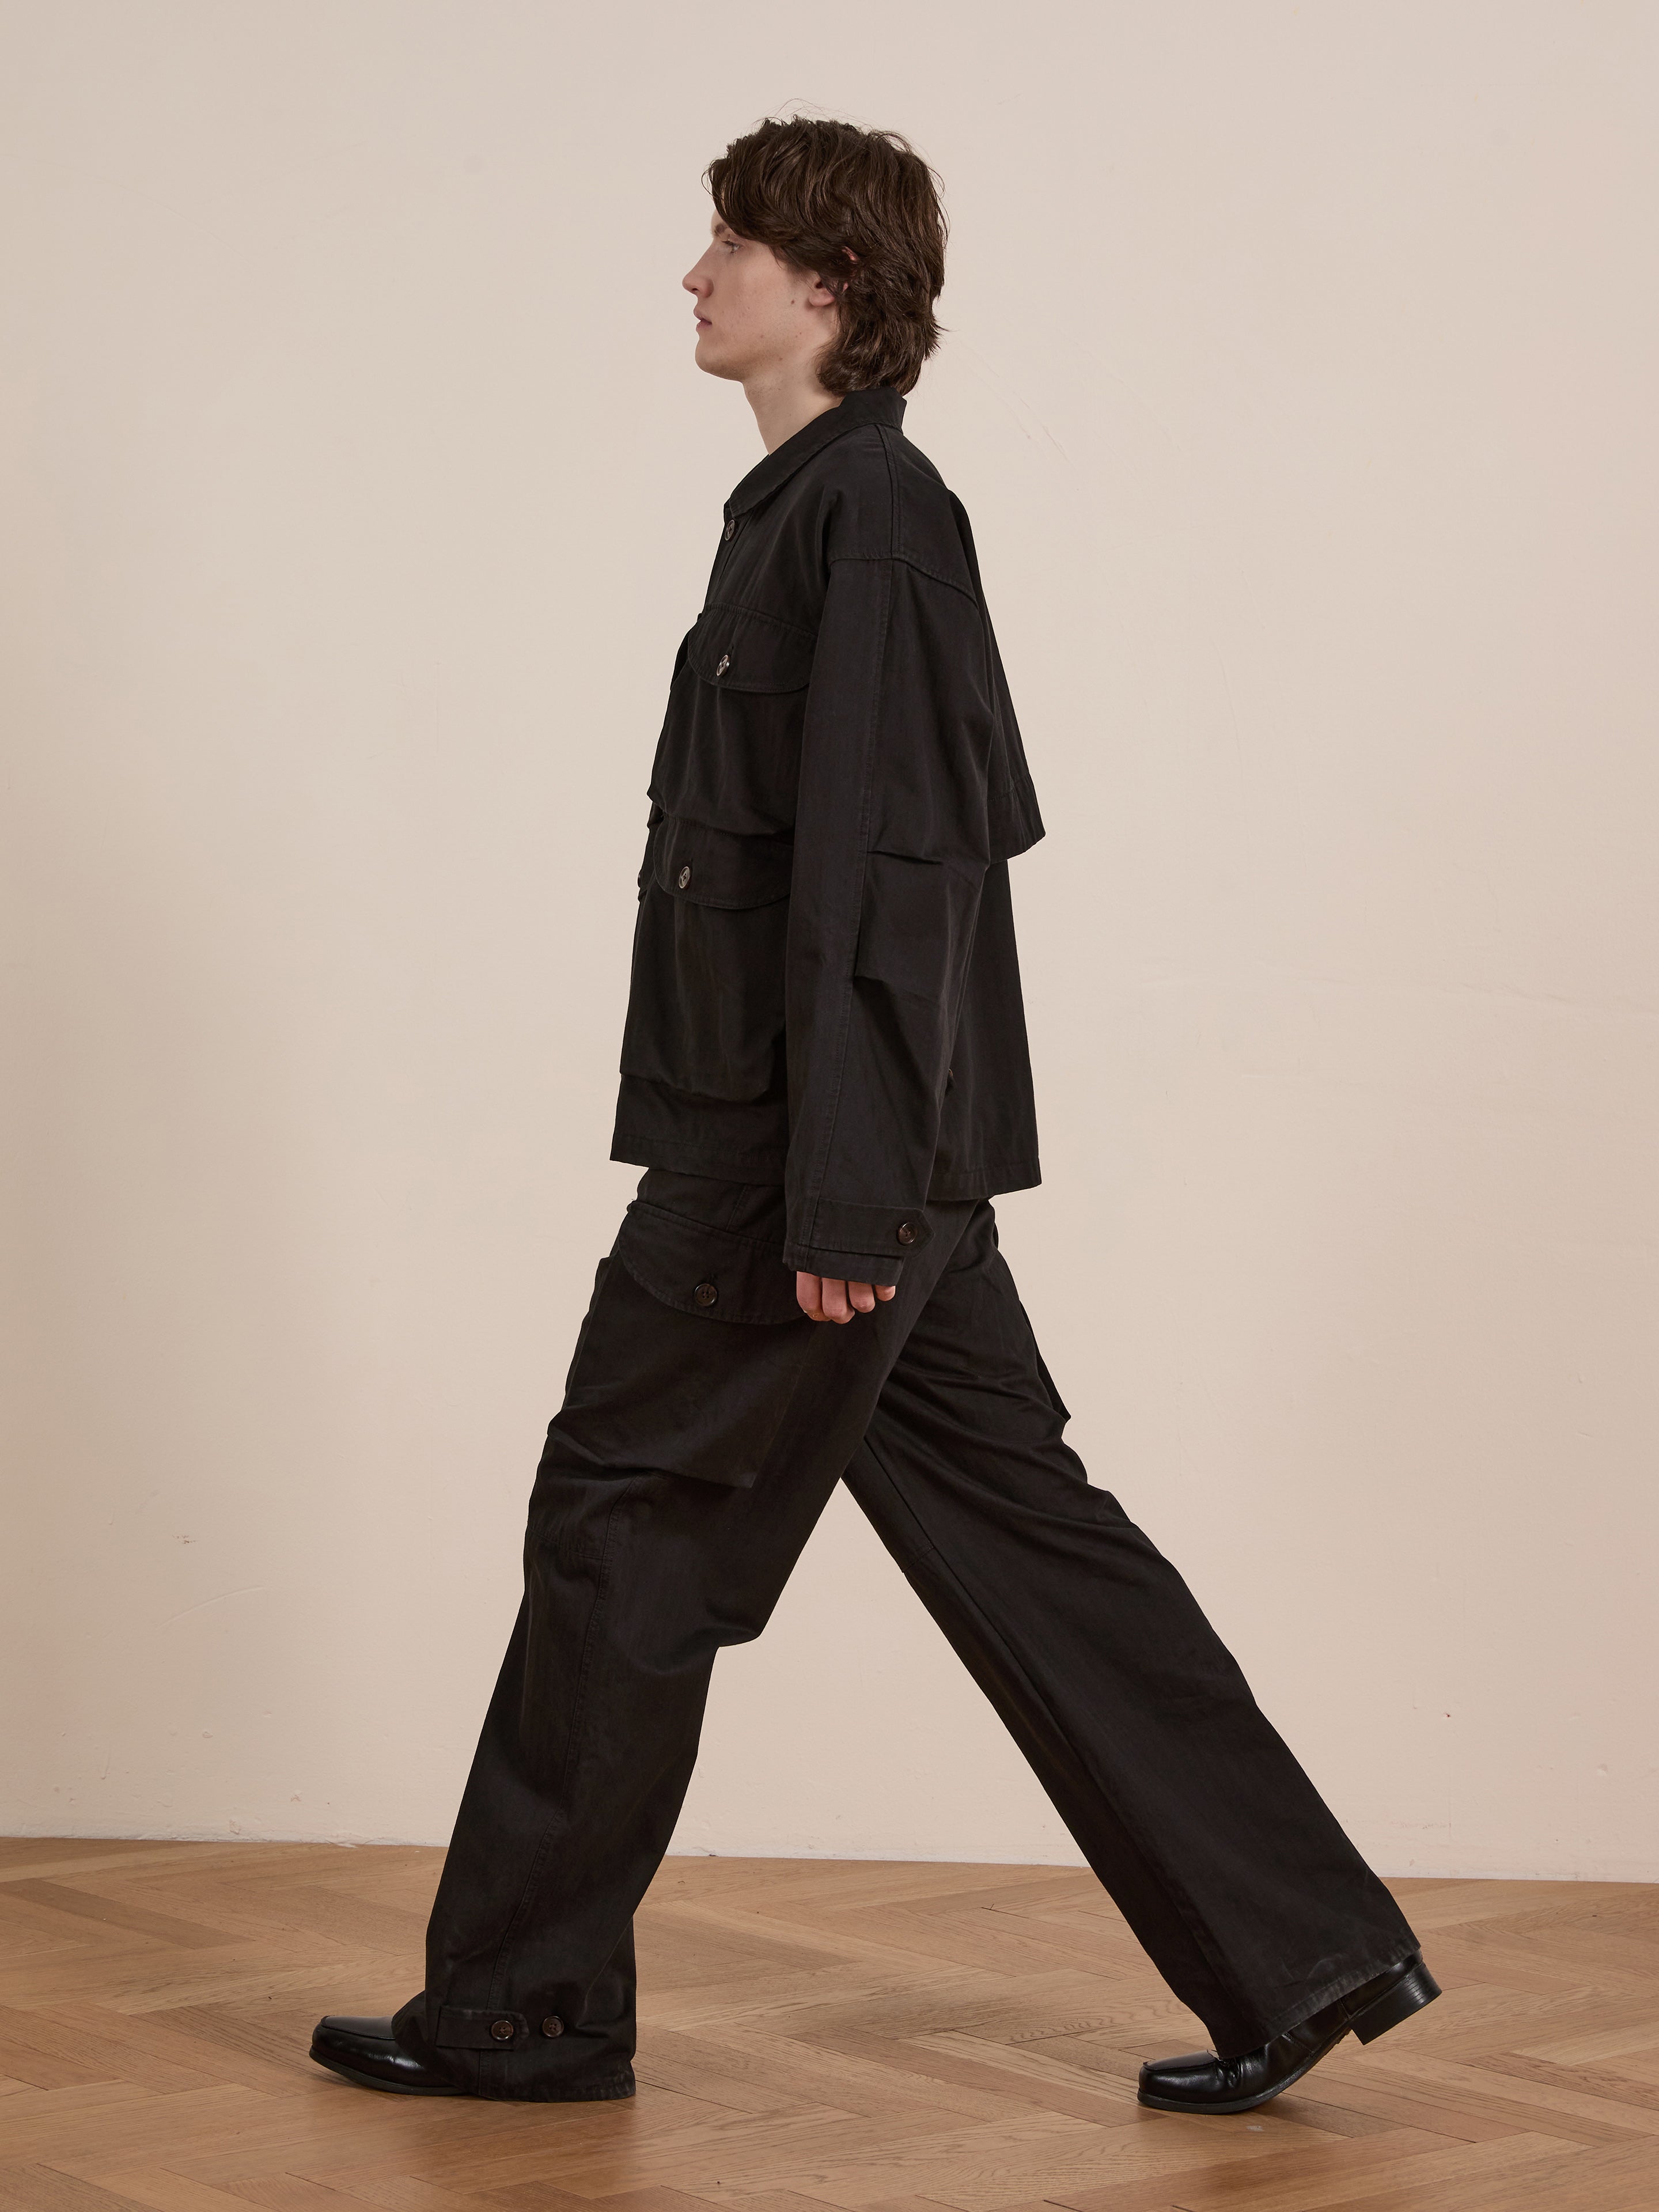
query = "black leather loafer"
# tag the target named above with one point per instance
(1202, 2082)
(366, 2052)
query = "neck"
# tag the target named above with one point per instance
(786, 400)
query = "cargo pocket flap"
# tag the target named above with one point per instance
(707, 1272)
(716, 867)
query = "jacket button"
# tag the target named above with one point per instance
(731, 524)
(722, 664)
(552, 2025)
(684, 876)
(907, 1232)
(705, 1294)
(502, 2030)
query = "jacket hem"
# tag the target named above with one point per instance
(750, 1164)
(990, 1179)
(985, 1179)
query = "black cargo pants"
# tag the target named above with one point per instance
(704, 1426)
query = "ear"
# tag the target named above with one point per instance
(823, 296)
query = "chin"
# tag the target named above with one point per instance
(713, 363)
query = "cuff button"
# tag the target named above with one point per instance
(502, 2030)
(907, 1232)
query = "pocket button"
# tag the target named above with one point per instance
(705, 1294)
(684, 876)
(552, 2025)
(502, 2030)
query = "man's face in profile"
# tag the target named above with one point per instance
(756, 312)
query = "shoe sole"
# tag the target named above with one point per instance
(374, 2080)
(1409, 1994)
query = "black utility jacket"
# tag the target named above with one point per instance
(825, 991)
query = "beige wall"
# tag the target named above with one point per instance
(356, 486)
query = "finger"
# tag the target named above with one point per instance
(809, 1295)
(862, 1297)
(885, 1291)
(835, 1307)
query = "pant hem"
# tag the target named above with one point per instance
(555, 2092)
(1325, 1993)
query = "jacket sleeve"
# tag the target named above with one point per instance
(891, 852)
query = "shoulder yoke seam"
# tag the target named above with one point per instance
(909, 561)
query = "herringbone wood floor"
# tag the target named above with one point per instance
(814, 2033)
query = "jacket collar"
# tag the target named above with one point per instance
(879, 403)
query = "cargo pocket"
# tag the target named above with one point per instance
(690, 1353)
(705, 1006)
(915, 925)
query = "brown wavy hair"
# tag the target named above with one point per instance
(858, 209)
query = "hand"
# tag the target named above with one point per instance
(826, 1297)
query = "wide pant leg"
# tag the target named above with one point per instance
(1221, 1854)
(635, 1577)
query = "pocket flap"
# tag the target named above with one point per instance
(710, 1272)
(715, 867)
(741, 651)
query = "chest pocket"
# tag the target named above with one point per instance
(729, 748)
(705, 1004)
(738, 651)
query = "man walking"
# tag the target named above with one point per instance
(824, 1078)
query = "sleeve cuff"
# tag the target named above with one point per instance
(854, 1243)
(843, 1267)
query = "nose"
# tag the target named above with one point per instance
(696, 283)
